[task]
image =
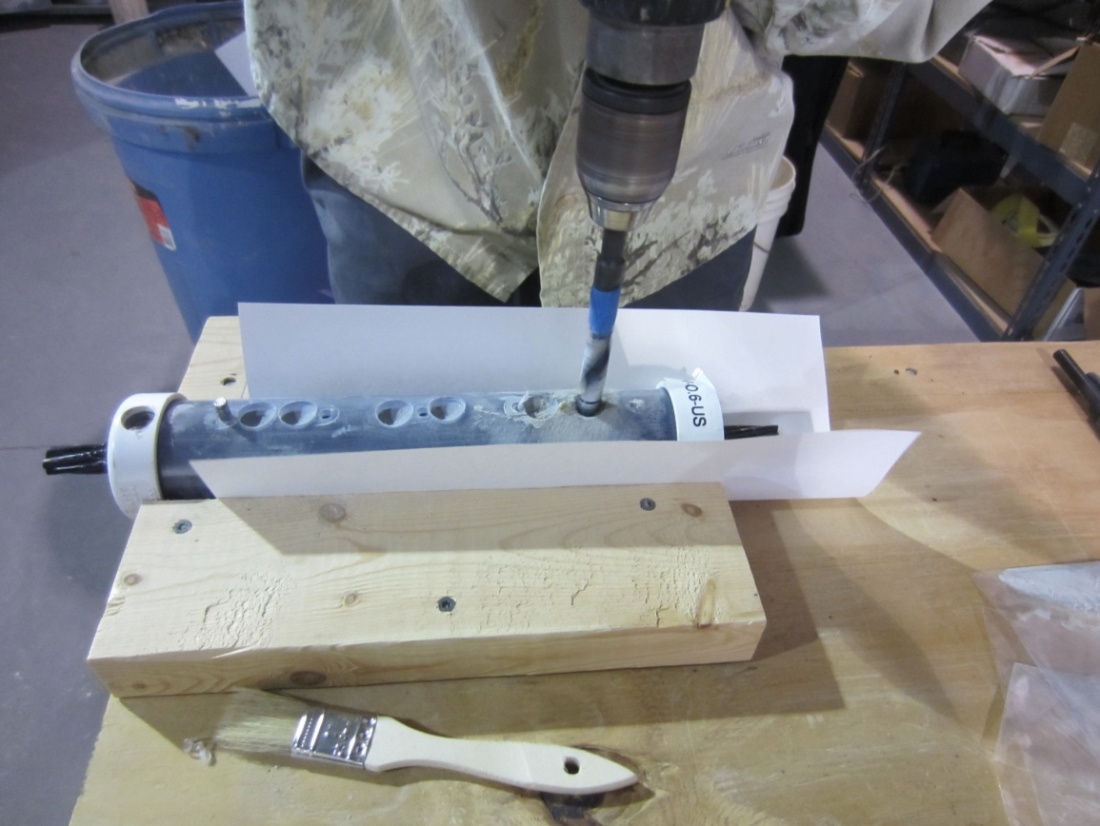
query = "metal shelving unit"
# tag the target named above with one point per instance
(1081, 191)
(938, 269)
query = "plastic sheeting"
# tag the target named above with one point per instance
(1044, 624)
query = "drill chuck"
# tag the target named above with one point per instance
(634, 101)
(627, 146)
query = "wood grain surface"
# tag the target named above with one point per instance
(871, 699)
(354, 590)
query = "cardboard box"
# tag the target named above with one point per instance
(919, 112)
(857, 99)
(1072, 126)
(1018, 76)
(990, 254)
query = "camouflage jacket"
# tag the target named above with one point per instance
(457, 119)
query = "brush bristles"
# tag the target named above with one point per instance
(259, 722)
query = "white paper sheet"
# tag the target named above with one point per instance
(233, 54)
(767, 368)
(763, 364)
(837, 464)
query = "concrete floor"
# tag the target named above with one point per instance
(846, 267)
(86, 318)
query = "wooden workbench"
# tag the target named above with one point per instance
(872, 697)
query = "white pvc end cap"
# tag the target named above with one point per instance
(132, 450)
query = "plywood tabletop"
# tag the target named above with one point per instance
(872, 697)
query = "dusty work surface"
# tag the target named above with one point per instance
(872, 697)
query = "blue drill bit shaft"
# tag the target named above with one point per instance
(602, 308)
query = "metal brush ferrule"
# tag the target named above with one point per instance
(332, 737)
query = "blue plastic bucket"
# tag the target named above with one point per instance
(216, 180)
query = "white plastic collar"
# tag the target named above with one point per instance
(697, 408)
(132, 450)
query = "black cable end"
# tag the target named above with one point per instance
(78, 459)
(746, 431)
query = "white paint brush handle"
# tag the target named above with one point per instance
(533, 766)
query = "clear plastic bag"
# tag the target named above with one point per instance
(1044, 624)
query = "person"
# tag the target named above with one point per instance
(440, 139)
(815, 81)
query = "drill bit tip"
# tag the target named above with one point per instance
(597, 354)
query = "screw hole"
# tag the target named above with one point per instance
(183, 526)
(647, 504)
(446, 604)
(572, 766)
(137, 418)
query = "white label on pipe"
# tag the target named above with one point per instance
(697, 408)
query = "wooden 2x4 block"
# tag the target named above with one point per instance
(358, 590)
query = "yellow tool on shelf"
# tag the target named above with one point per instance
(1022, 216)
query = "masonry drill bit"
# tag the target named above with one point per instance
(602, 307)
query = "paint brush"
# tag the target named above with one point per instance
(259, 722)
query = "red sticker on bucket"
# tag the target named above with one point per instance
(154, 216)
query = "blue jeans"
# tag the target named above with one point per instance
(372, 260)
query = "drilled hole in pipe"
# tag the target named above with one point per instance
(394, 413)
(298, 414)
(536, 405)
(447, 408)
(257, 415)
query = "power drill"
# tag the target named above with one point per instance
(640, 55)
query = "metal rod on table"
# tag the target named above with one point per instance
(1087, 385)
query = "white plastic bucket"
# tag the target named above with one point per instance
(775, 207)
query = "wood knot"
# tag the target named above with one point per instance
(691, 510)
(333, 512)
(131, 579)
(307, 678)
(350, 599)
